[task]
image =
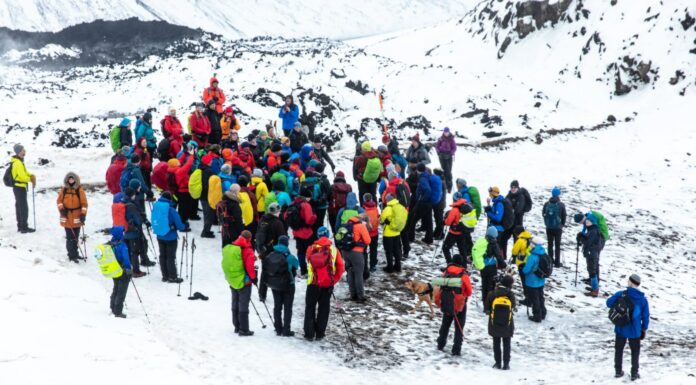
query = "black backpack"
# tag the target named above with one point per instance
(292, 216)
(447, 294)
(545, 268)
(7, 179)
(508, 215)
(527, 200)
(344, 237)
(275, 270)
(263, 243)
(403, 195)
(621, 312)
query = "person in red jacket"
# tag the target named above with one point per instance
(326, 268)
(174, 132)
(386, 158)
(214, 93)
(372, 214)
(145, 161)
(452, 302)
(273, 159)
(391, 184)
(113, 173)
(178, 178)
(304, 236)
(200, 126)
(339, 194)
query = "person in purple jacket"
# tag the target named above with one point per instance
(446, 147)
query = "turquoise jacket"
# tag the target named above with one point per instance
(531, 279)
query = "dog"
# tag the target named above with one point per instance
(425, 293)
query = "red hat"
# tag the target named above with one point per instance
(207, 159)
(385, 139)
(229, 110)
(340, 174)
(416, 137)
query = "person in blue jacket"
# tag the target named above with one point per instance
(289, 112)
(165, 223)
(633, 332)
(305, 156)
(423, 209)
(143, 128)
(534, 283)
(118, 294)
(495, 208)
(133, 172)
(352, 209)
(226, 177)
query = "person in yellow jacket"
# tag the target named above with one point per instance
(247, 207)
(260, 189)
(393, 218)
(72, 206)
(520, 251)
(20, 180)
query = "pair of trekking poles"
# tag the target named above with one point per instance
(184, 255)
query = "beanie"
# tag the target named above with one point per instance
(556, 192)
(200, 104)
(461, 182)
(276, 147)
(284, 240)
(135, 159)
(124, 122)
(193, 143)
(129, 192)
(243, 181)
(537, 241)
(323, 232)
(446, 130)
(458, 260)
(278, 185)
(257, 173)
(492, 232)
(147, 117)
(420, 167)
(366, 146)
(515, 183)
(340, 174)
(273, 208)
(246, 234)
(383, 149)
(226, 169)
(389, 197)
(416, 137)
(456, 196)
(207, 159)
(320, 168)
(367, 197)
(134, 184)
(298, 124)
(125, 151)
(173, 163)
(18, 148)
(507, 281)
(306, 193)
(578, 217)
(166, 195)
(635, 278)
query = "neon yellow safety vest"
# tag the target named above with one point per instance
(469, 219)
(106, 259)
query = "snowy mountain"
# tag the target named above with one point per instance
(593, 97)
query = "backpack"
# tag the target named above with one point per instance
(7, 178)
(478, 252)
(223, 215)
(263, 243)
(126, 177)
(527, 200)
(508, 215)
(372, 170)
(602, 224)
(501, 311)
(468, 219)
(159, 176)
(195, 184)
(115, 138)
(160, 219)
(344, 236)
(448, 293)
(403, 195)
(545, 267)
(292, 216)
(319, 198)
(275, 271)
(621, 312)
(270, 198)
(552, 215)
(319, 258)
(164, 131)
(338, 198)
(475, 200)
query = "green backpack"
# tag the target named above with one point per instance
(372, 170)
(478, 252)
(347, 214)
(475, 200)
(115, 138)
(270, 198)
(233, 266)
(602, 224)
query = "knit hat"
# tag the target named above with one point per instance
(316, 139)
(382, 148)
(556, 192)
(211, 101)
(18, 148)
(166, 195)
(492, 232)
(323, 232)
(192, 143)
(200, 104)
(507, 281)
(420, 167)
(284, 240)
(134, 184)
(458, 260)
(494, 191)
(340, 174)
(446, 130)
(578, 217)
(320, 168)
(243, 181)
(313, 163)
(366, 146)
(273, 208)
(246, 234)
(276, 147)
(124, 122)
(235, 189)
(391, 174)
(416, 137)
(515, 183)
(298, 124)
(461, 182)
(173, 163)
(226, 169)
(257, 173)
(635, 279)
(389, 197)
(171, 109)
(228, 110)
(367, 197)
(207, 159)
(147, 117)
(125, 151)
(135, 159)
(537, 241)
(306, 193)
(385, 139)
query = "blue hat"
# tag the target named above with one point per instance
(556, 192)
(323, 232)
(456, 196)
(492, 232)
(125, 122)
(446, 130)
(284, 240)
(193, 143)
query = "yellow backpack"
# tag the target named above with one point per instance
(196, 184)
(501, 311)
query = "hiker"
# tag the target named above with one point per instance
(271, 227)
(260, 190)
(301, 217)
(113, 174)
(273, 159)
(143, 129)
(397, 158)
(424, 204)
(495, 211)
(20, 182)
(278, 195)
(133, 172)
(393, 218)
(214, 117)
(446, 147)
(134, 234)
(121, 274)
(533, 282)
(417, 153)
(215, 94)
(352, 238)
(321, 154)
(500, 306)
(319, 184)
(165, 224)
(521, 201)
(368, 167)
(229, 215)
(461, 220)
(125, 137)
(397, 187)
(248, 204)
(208, 212)
(199, 126)
(279, 271)
(325, 268)
(592, 242)
(372, 216)
(339, 194)
(145, 164)
(487, 259)
(178, 181)
(297, 138)
(554, 214)
(118, 211)
(603, 230)
(351, 209)
(228, 124)
(452, 298)
(635, 330)
(289, 112)
(437, 185)
(471, 195)
(238, 266)
(173, 131)
(520, 251)
(72, 206)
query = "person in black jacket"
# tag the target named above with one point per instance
(297, 138)
(271, 228)
(230, 215)
(554, 214)
(214, 117)
(501, 331)
(519, 201)
(591, 240)
(321, 153)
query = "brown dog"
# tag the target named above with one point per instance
(425, 293)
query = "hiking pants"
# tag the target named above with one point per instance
(424, 212)
(503, 239)
(458, 329)
(72, 237)
(392, 250)
(282, 309)
(354, 261)
(167, 258)
(487, 281)
(21, 207)
(554, 237)
(536, 300)
(620, 344)
(186, 206)
(506, 349)
(446, 164)
(439, 217)
(367, 188)
(373, 248)
(463, 242)
(208, 217)
(316, 320)
(240, 308)
(302, 245)
(134, 253)
(118, 294)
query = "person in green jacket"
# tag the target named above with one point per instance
(393, 219)
(20, 179)
(238, 266)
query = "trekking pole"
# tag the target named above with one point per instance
(186, 254)
(33, 204)
(577, 256)
(193, 249)
(181, 263)
(445, 230)
(348, 333)
(82, 255)
(459, 326)
(263, 325)
(141, 301)
(84, 240)
(152, 246)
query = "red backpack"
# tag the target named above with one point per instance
(118, 215)
(319, 258)
(339, 194)
(159, 176)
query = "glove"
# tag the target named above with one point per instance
(64, 213)
(148, 224)
(128, 272)
(642, 335)
(33, 179)
(579, 238)
(83, 218)
(255, 281)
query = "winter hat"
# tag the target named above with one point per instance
(461, 183)
(507, 281)
(134, 184)
(635, 279)
(135, 159)
(391, 167)
(456, 196)
(125, 151)
(391, 174)
(298, 124)
(129, 192)
(246, 234)
(439, 172)
(313, 163)
(578, 217)
(166, 195)
(366, 146)
(171, 109)
(207, 159)
(340, 174)
(18, 148)
(284, 240)
(446, 130)
(389, 197)
(517, 230)
(276, 147)
(556, 192)
(211, 101)
(420, 167)
(458, 260)
(323, 232)
(173, 163)
(492, 232)
(537, 241)
(235, 189)
(385, 139)
(228, 110)
(383, 149)
(416, 137)
(243, 181)
(284, 157)
(147, 117)
(192, 143)
(235, 133)
(200, 104)
(285, 140)
(306, 193)
(316, 139)
(367, 197)
(494, 191)
(226, 169)
(320, 168)
(515, 183)
(278, 185)
(273, 208)
(246, 145)
(124, 122)
(257, 173)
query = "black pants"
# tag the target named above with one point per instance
(405, 239)
(634, 344)
(302, 245)
(167, 258)
(524, 287)
(487, 280)
(506, 349)
(72, 239)
(458, 336)
(366, 188)
(21, 207)
(147, 175)
(332, 221)
(446, 164)
(134, 253)
(317, 308)
(463, 242)
(536, 300)
(118, 294)
(503, 239)
(321, 216)
(554, 237)
(240, 308)
(187, 206)
(392, 251)
(424, 212)
(208, 217)
(371, 252)
(282, 304)
(439, 217)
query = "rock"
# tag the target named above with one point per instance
(611, 119)
(358, 87)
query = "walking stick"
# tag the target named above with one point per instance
(84, 239)
(181, 262)
(577, 256)
(266, 306)
(152, 246)
(82, 255)
(263, 325)
(445, 230)
(193, 249)
(141, 301)
(348, 333)
(33, 204)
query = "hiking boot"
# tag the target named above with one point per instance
(139, 274)
(27, 230)
(593, 293)
(635, 376)
(247, 333)
(207, 234)
(120, 315)
(236, 331)
(535, 319)
(397, 269)
(496, 365)
(165, 279)
(361, 299)
(388, 269)
(619, 374)
(289, 334)
(148, 263)
(309, 338)
(558, 265)
(506, 366)
(319, 337)
(373, 269)
(353, 298)
(195, 218)
(427, 241)
(175, 280)
(75, 260)
(456, 353)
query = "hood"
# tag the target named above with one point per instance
(242, 242)
(230, 195)
(213, 80)
(539, 250)
(306, 151)
(369, 205)
(393, 202)
(256, 180)
(351, 200)
(342, 186)
(117, 233)
(499, 198)
(281, 249)
(71, 174)
(592, 218)
(339, 179)
(525, 235)
(554, 199)
(370, 154)
(119, 197)
(458, 202)
(323, 241)
(455, 270)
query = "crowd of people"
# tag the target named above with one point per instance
(270, 187)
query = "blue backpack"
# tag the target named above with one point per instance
(126, 177)
(552, 215)
(160, 218)
(435, 188)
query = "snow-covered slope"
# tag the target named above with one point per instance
(339, 19)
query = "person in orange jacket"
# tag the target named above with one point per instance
(215, 93)
(452, 301)
(372, 214)
(353, 254)
(228, 123)
(72, 206)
